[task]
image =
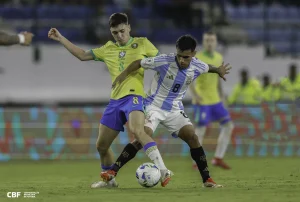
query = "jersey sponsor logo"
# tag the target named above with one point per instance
(134, 45)
(122, 54)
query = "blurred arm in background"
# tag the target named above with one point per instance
(81, 54)
(195, 97)
(24, 38)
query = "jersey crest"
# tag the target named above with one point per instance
(134, 45)
(122, 54)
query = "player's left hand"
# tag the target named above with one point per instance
(223, 70)
(118, 80)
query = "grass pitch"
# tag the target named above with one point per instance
(251, 179)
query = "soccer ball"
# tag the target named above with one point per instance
(148, 175)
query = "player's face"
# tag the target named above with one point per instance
(184, 57)
(209, 42)
(121, 33)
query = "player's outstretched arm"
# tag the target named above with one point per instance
(222, 70)
(131, 68)
(24, 38)
(81, 54)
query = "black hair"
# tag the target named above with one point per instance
(186, 42)
(293, 66)
(266, 76)
(117, 19)
(244, 70)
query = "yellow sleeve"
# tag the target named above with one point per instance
(233, 96)
(150, 49)
(99, 53)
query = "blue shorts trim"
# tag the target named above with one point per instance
(205, 114)
(117, 112)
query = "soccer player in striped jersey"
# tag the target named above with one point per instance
(208, 106)
(126, 103)
(163, 103)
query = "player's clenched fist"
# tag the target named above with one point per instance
(54, 34)
(26, 39)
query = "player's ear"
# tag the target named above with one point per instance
(129, 27)
(194, 53)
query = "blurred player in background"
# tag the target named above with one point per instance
(247, 92)
(290, 85)
(208, 107)
(126, 103)
(270, 93)
(24, 39)
(163, 103)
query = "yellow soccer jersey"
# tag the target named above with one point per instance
(117, 58)
(206, 85)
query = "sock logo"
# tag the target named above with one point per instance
(203, 158)
(125, 154)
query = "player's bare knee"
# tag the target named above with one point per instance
(102, 148)
(229, 126)
(137, 131)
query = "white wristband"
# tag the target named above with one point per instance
(21, 38)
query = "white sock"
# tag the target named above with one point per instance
(154, 154)
(200, 132)
(224, 139)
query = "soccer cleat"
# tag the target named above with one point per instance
(108, 175)
(220, 163)
(165, 177)
(102, 184)
(211, 184)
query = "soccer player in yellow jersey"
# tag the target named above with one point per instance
(126, 103)
(208, 106)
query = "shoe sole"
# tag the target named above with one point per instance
(214, 186)
(165, 182)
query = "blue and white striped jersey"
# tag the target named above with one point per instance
(170, 83)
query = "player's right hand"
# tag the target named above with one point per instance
(28, 38)
(54, 34)
(223, 70)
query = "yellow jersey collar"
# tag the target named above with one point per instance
(208, 54)
(128, 42)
